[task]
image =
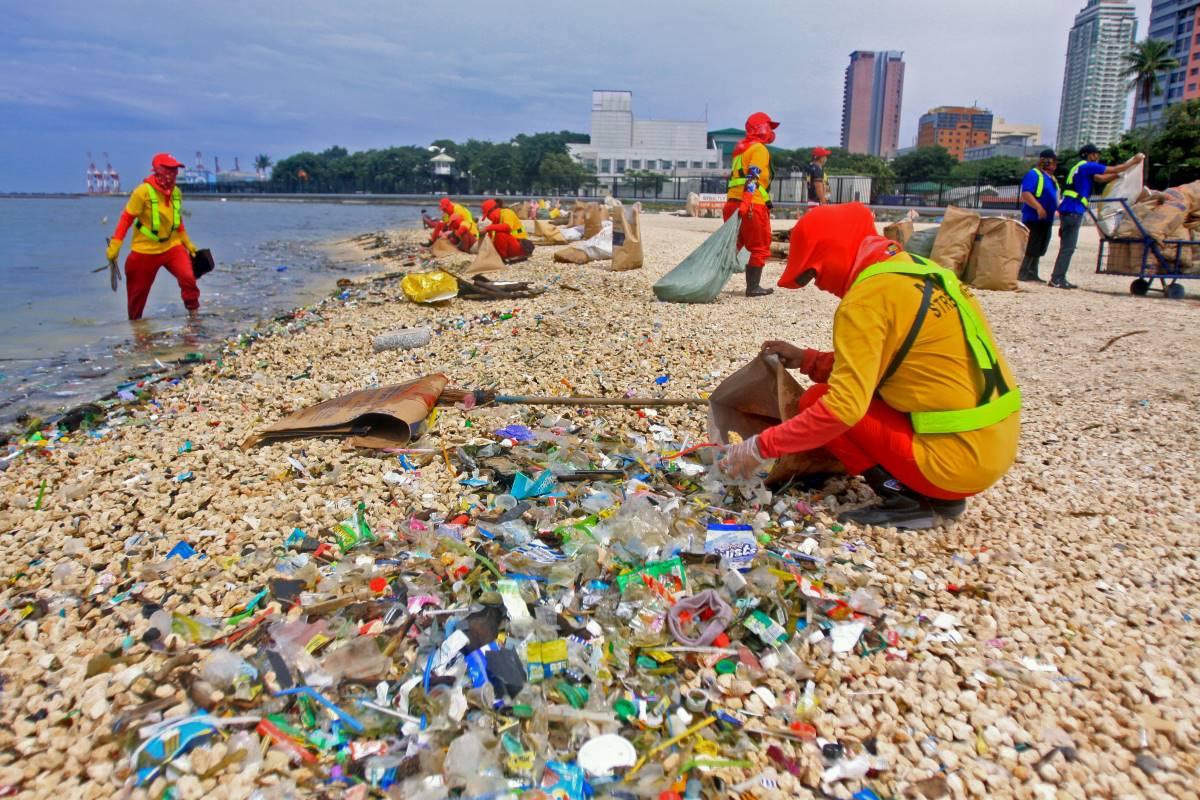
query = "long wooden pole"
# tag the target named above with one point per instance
(636, 402)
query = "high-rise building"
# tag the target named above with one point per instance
(1094, 95)
(955, 128)
(871, 102)
(1176, 22)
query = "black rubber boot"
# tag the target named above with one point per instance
(753, 279)
(901, 507)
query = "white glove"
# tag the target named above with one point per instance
(741, 460)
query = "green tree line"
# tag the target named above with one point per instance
(529, 162)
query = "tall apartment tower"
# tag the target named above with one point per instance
(1176, 22)
(871, 102)
(1094, 95)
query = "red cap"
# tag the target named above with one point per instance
(165, 160)
(759, 118)
(446, 204)
(487, 206)
(818, 152)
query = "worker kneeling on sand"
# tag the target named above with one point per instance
(159, 238)
(461, 234)
(450, 209)
(915, 396)
(507, 232)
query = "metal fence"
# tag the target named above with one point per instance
(1002, 195)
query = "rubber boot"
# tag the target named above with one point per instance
(753, 278)
(901, 507)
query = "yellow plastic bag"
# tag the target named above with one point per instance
(429, 287)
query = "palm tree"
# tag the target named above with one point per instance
(1142, 66)
(262, 163)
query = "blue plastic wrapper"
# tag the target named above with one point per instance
(518, 433)
(561, 780)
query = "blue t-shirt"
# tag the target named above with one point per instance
(1082, 184)
(1048, 198)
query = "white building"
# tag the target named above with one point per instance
(1001, 128)
(619, 143)
(1094, 95)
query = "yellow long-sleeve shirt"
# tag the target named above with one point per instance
(756, 155)
(938, 374)
(463, 213)
(509, 217)
(139, 208)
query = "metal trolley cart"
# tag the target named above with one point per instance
(1145, 257)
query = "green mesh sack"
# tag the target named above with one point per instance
(700, 277)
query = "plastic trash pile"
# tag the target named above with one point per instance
(599, 615)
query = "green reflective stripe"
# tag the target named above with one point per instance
(176, 205)
(736, 167)
(1070, 191)
(989, 411)
(969, 419)
(1042, 184)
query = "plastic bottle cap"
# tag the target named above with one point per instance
(601, 755)
(726, 666)
(624, 708)
(721, 641)
(379, 585)
(522, 711)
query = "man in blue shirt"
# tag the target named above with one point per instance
(1039, 201)
(1077, 190)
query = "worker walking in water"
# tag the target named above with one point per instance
(748, 196)
(154, 211)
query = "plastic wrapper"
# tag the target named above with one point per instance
(429, 287)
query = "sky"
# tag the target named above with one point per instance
(267, 76)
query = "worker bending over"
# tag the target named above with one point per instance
(450, 209)
(506, 231)
(461, 233)
(159, 238)
(748, 196)
(915, 396)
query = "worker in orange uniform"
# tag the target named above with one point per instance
(915, 396)
(461, 234)
(749, 197)
(506, 231)
(450, 209)
(159, 238)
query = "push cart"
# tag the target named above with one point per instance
(1146, 257)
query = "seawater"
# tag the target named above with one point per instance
(64, 336)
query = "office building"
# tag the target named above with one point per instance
(620, 143)
(955, 128)
(871, 102)
(1178, 23)
(1002, 128)
(1094, 95)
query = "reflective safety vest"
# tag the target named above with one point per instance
(1070, 191)
(151, 233)
(990, 409)
(740, 179)
(1042, 184)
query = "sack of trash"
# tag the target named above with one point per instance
(899, 232)
(921, 242)
(756, 397)
(955, 236)
(549, 233)
(996, 255)
(700, 277)
(627, 237)
(487, 260)
(594, 248)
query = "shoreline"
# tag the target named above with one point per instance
(1095, 524)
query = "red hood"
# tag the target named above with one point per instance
(836, 243)
(487, 206)
(760, 129)
(447, 205)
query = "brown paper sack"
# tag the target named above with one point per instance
(571, 255)
(388, 416)
(488, 260)
(593, 219)
(996, 257)
(549, 233)
(952, 247)
(1124, 258)
(578, 214)
(899, 232)
(627, 239)
(443, 249)
(754, 398)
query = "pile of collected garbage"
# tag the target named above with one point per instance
(594, 615)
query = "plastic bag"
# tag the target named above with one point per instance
(429, 287)
(1127, 185)
(700, 277)
(921, 242)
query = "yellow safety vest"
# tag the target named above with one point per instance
(1070, 191)
(741, 179)
(1042, 184)
(176, 203)
(990, 410)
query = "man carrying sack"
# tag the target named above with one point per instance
(915, 396)
(748, 196)
(159, 238)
